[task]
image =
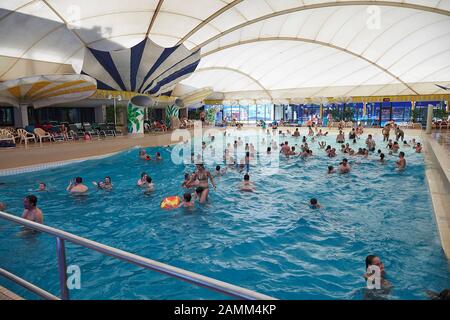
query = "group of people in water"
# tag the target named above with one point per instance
(197, 184)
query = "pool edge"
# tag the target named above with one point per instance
(55, 164)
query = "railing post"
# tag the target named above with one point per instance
(62, 268)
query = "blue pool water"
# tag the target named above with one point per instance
(269, 241)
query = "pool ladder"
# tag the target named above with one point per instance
(171, 271)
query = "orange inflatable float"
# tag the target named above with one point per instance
(169, 203)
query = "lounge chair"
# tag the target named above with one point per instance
(92, 132)
(75, 132)
(113, 128)
(105, 130)
(41, 134)
(25, 136)
(5, 135)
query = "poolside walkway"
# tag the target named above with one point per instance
(437, 160)
(5, 294)
(62, 151)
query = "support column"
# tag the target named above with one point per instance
(100, 114)
(429, 118)
(23, 115)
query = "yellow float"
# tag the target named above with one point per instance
(172, 202)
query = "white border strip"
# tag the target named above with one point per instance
(56, 164)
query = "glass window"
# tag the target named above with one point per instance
(6, 116)
(278, 112)
(252, 113)
(243, 114)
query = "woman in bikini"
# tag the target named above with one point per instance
(203, 176)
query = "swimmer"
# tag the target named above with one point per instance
(322, 144)
(246, 185)
(143, 155)
(296, 133)
(105, 184)
(42, 187)
(332, 153)
(418, 147)
(344, 167)
(186, 180)
(443, 295)
(340, 138)
(372, 260)
(331, 170)
(370, 142)
(142, 180)
(158, 156)
(76, 186)
(401, 163)
(219, 172)
(390, 144)
(314, 204)
(395, 147)
(406, 144)
(203, 176)
(381, 158)
(149, 186)
(31, 211)
(269, 150)
(187, 200)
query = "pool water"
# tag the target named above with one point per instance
(269, 241)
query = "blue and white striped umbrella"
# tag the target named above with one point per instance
(144, 68)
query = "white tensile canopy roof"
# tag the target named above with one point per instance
(249, 48)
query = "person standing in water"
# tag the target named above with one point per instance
(401, 163)
(246, 185)
(77, 186)
(203, 176)
(31, 211)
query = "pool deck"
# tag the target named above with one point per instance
(51, 152)
(437, 170)
(5, 294)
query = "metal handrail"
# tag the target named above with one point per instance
(178, 273)
(27, 285)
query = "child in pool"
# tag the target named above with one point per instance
(187, 200)
(314, 204)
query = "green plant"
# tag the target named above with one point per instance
(335, 114)
(440, 113)
(133, 115)
(414, 115)
(348, 114)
